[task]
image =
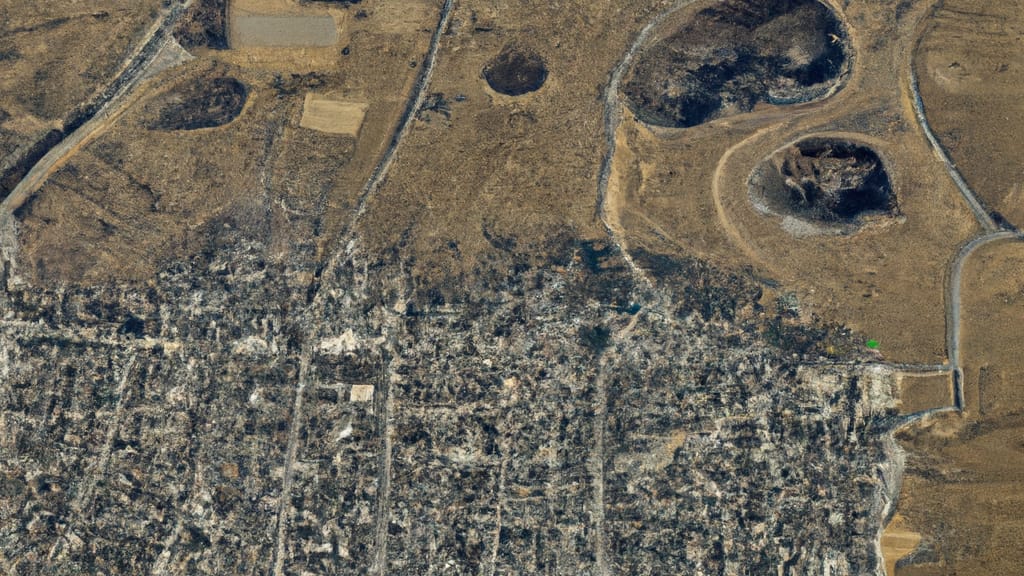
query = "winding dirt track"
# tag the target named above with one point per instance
(612, 117)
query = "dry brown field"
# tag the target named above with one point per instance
(688, 188)
(54, 59)
(963, 489)
(133, 197)
(920, 392)
(963, 485)
(970, 66)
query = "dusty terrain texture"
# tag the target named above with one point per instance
(688, 189)
(231, 147)
(424, 295)
(963, 484)
(970, 69)
(963, 474)
(54, 59)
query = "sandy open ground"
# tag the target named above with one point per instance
(897, 541)
(333, 116)
(919, 392)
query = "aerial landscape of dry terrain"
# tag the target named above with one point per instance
(411, 287)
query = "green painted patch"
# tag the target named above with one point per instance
(873, 344)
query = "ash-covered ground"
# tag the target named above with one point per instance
(567, 418)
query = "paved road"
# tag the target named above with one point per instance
(992, 233)
(110, 102)
(982, 215)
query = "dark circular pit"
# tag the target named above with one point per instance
(515, 71)
(824, 181)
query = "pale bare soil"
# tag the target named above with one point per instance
(333, 116)
(897, 542)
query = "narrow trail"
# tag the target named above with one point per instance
(84, 497)
(612, 118)
(595, 466)
(990, 233)
(291, 454)
(385, 415)
(154, 51)
(954, 311)
(419, 93)
(347, 243)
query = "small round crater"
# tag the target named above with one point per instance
(728, 57)
(516, 71)
(821, 181)
(203, 103)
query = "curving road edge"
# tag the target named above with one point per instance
(110, 104)
(612, 118)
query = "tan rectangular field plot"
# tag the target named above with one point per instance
(332, 116)
(361, 393)
(283, 31)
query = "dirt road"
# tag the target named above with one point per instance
(107, 108)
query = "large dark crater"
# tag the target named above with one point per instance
(201, 103)
(730, 56)
(824, 181)
(516, 71)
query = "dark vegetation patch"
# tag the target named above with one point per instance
(515, 71)
(9, 54)
(596, 338)
(204, 25)
(436, 103)
(203, 103)
(10, 177)
(291, 84)
(1002, 222)
(735, 54)
(717, 295)
(824, 180)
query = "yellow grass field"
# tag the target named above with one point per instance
(332, 116)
